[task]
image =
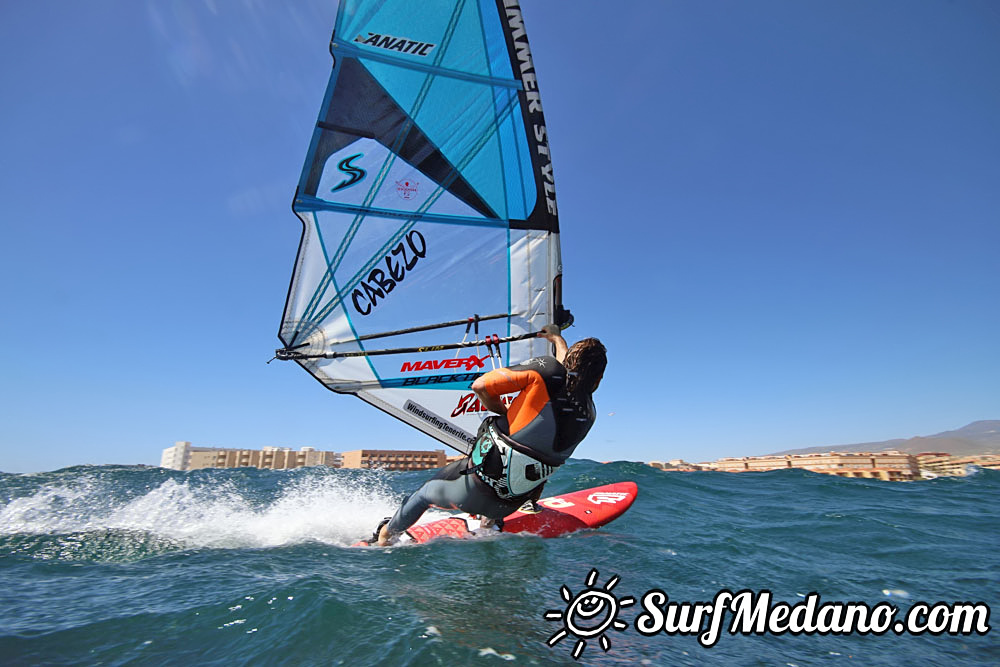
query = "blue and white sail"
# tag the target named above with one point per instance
(430, 244)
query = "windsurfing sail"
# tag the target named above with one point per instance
(430, 245)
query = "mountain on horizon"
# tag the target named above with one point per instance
(979, 437)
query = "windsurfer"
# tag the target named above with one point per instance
(519, 448)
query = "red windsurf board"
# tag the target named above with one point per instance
(558, 515)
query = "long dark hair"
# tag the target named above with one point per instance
(585, 363)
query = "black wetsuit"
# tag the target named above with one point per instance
(543, 420)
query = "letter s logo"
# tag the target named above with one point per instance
(354, 173)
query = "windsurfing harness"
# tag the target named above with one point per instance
(506, 466)
(543, 418)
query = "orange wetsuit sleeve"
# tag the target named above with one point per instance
(531, 399)
(506, 381)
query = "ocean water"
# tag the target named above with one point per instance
(136, 565)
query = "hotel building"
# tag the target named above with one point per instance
(182, 456)
(390, 459)
(890, 465)
(675, 465)
(942, 464)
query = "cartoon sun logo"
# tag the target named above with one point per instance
(588, 614)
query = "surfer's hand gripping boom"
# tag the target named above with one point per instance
(550, 332)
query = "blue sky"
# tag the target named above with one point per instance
(782, 217)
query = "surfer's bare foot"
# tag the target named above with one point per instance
(383, 536)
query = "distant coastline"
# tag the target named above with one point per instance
(948, 454)
(977, 438)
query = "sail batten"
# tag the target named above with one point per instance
(475, 319)
(290, 353)
(426, 192)
(313, 204)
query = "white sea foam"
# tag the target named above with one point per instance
(48, 510)
(489, 650)
(327, 508)
(895, 592)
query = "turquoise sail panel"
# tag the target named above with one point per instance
(426, 198)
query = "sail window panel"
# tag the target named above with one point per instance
(302, 328)
(518, 177)
(407, 30)
(342, 373)
(463, 272)
(460, 119)
(467, 135)
(310, 269)
(464, 48)
(495, 40)
(529, 284)
(460, 35)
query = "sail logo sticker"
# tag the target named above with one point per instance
(379, 284)
(440, 379)
(401, 44)
(606, 497)
(407, 189)
(354, 172)
(470, 403)
(440, 424)
(469, 363)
